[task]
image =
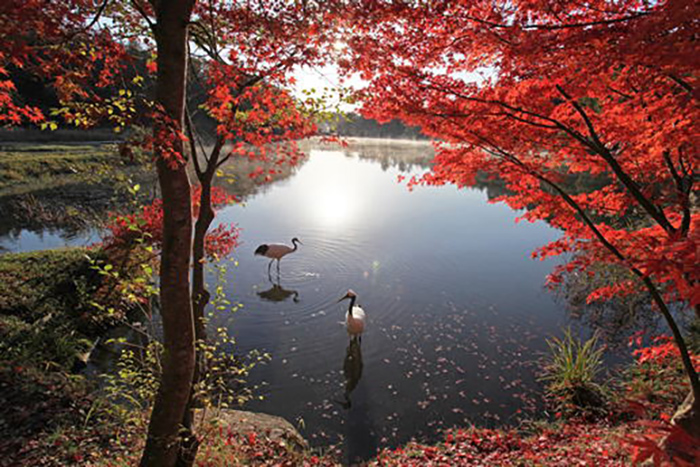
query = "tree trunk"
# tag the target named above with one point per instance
(200, 294)
(162, 445)
(200, 299)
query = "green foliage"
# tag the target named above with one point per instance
(570, 372)
(224, 382)
(133, 385)
(225, 372)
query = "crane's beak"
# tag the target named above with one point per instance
(342, 298)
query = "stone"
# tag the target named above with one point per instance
(275, 428)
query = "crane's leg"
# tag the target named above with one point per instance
(269, 266)
(278, 268)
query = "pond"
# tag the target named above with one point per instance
(456, 309)
(457, 314)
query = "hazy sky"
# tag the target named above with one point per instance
(318, 78)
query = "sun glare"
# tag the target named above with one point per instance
(335, 202)
(334, 205)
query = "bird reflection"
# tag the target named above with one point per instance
(352, 370)
(277, 293)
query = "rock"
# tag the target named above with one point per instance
(273, 427)
(686, 417)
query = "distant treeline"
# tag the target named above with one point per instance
(353, 124)
(37, 92)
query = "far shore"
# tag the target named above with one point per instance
(359, 140)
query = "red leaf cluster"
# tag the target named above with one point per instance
(146, 226)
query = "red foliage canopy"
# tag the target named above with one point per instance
(542, 93)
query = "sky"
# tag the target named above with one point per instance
(318, 78)
(324, 79)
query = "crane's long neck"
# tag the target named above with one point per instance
(352, 304)
(294, 242)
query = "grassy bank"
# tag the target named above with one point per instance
(47, 315)
(22, 164)
(47, 325)
(66, 186)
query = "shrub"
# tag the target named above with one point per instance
(570, 372)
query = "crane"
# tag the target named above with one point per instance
(355, 317)
(276, 251)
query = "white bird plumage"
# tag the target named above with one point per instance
(355, 316)
(276, 251)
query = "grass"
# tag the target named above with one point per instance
(570, 373)
(46, 322)
(27, 163)
(49, 414)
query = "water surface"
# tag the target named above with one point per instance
(456, 309)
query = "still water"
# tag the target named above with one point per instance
(456, 309)
(457, 313)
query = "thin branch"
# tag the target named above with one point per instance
(97, 17)
(213, 161)
(491, 102)
(683, 84)
(619, 93)
(225, 159)
(552, 27)
(683, 192)
(604, 22)
(142, 10)
(672, 169)
(193, 147)
(575, 134)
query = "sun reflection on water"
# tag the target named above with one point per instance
(340, 196)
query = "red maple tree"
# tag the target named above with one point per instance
(540, 93)
(90, 52)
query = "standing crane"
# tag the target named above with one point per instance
(276, 251)
(355, 317)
